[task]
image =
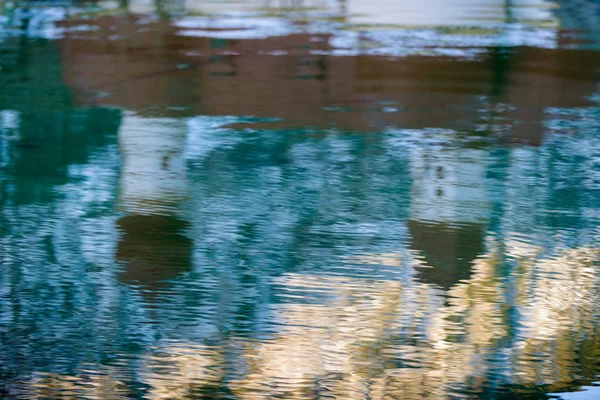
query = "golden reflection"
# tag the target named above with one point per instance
(358, 338)
(88, 384)
(333, 348)
(183, 371)
(386, 339)
(555, 301)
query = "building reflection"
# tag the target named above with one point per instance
(153, 246)
(193, 67)
(384, 12)
(517, 309)
(449, 211)
(553, 327)
(509, 321)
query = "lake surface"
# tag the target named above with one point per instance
(300, 200)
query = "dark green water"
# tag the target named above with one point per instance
(300, 202)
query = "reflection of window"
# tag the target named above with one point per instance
(439, 192)
(222, 65)
(218, 43)
(311, 68)
(9, 129)
(439, 172)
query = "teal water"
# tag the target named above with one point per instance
(300, 201)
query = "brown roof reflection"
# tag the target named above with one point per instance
(152, 68)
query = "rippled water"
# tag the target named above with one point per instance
(300, 199)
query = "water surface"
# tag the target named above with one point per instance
(349, 200)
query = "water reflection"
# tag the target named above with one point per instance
(227, 207)
(89, 384)
(260, 67)
(398, 13)
(183, 371)
(449, 211)
(153, 183)
(388, 339)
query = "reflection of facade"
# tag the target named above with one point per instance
(343, 330)
(449, 185)
(552, 325)
(450, 12)
(183, 371)
(403, 12)
(89, 384)
(153, 172)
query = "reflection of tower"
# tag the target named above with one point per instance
(448, 211)
(153, 183)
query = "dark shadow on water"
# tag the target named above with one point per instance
(448, 251)
(153, 250)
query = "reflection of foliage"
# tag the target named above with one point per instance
(348, 345)
(183, 371)
(89, 384)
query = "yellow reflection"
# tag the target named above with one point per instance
(386, 339)
(87, 385)
(182, 371)
(331, 349)
(357, 338)
(557, 299)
